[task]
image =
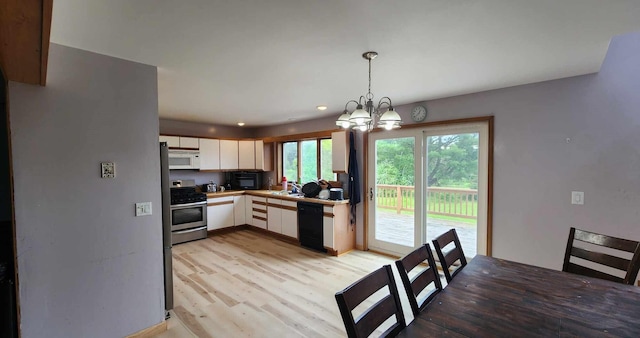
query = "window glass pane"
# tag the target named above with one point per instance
(290, 160)
(309, 161)
(326, 170)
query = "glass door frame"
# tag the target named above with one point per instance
(388, 247)
(367, 153)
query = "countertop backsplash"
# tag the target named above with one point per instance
(201, 177)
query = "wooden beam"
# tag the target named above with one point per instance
(25, 27)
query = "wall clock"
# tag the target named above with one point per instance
(419, 113)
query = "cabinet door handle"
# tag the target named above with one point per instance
(370, 194)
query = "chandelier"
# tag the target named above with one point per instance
(364, 116)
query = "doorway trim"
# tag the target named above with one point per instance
(490, 124)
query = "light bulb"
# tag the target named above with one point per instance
(388, 126)
(345, 124)
(363, 127)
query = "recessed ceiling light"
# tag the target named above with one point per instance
(322, 107)
(241, 124)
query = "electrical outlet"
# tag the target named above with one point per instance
(143, 209)
(577, 197)
(108, 170)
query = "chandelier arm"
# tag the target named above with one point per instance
(347, 104)
(382, 101)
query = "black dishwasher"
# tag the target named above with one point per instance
(310, 225)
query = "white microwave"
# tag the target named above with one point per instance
(184, 159)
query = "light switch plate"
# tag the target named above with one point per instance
(108, 170)
(143, 209)
(577, 197)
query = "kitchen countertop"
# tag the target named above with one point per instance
(273, 194)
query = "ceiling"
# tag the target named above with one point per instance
(271, 62)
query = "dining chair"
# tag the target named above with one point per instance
(372, 317)
(421, 278)
(597, 241)
(447, 259)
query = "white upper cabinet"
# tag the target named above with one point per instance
(260, 165)
(216, 154)
(228, 155)
(340, 151)
(209, 154)
(181, 142)
(189, 142)
(246, 154)
(172, 141)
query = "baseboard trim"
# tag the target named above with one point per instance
(275, 235)
(150, 331)
(226, 230)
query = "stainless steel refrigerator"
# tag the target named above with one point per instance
(166, 227)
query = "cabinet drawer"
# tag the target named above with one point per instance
(259, 199)
(220, 200)
(328, 211)
(258, 206)
(290, 204)
(259, 223)
(274, 201)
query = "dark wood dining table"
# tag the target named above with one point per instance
(493, 297)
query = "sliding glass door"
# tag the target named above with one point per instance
(392, 191)
(425, 182)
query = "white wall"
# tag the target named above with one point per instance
(535, 168)
(87, 267)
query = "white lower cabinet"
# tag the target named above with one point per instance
(274, 215)
(259, 212)
(239, 217)
(327, 227)
(290, 219)
(220, 212)
(248, 209)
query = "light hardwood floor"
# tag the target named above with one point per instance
(247, 284)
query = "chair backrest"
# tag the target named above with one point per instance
(629, 266)
(448, 258)
(415, 285)
(367, 322)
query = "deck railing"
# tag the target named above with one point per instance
(440, 201)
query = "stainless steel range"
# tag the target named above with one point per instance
(188, 215)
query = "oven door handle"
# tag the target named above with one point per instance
(189, 230)
(180, 206)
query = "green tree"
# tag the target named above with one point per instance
(309, 160)
(453, 161)
(395, 161)
(290, 160)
